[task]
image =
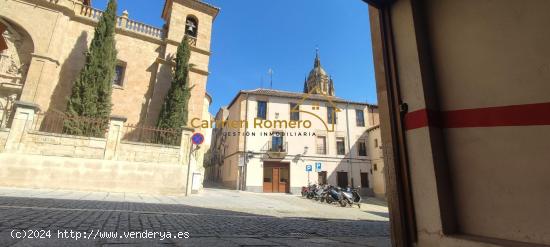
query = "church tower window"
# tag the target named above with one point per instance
(191, 26)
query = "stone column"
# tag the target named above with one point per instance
(116, 131)
(25, 113)
(185, 156)
(124, 19)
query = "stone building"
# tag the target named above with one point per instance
(44, 45)
(42, 50)
(270, 158)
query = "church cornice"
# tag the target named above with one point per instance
(173, 64)
(194, 4)
(79, 12)
(193, 48)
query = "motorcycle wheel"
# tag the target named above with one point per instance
(343, 203)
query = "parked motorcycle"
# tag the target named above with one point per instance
(305, 190)
(309, 191)
(351, 196)
(316, 192)
(334, 194)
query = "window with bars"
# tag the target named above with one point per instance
(321, 145)
(262, 110)
(331, 115)
(340, 146)
(294, 112)
(119, 74)
(360, 118)
(362, 148)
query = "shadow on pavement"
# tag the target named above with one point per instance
(205, 223)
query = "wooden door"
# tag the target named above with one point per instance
(322, 178)
(342, 179)
(268, 179)
(283, 180)
(276, 178)
(364, 180)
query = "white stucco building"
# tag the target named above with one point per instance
(269, 137)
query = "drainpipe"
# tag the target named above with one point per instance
(349, 144)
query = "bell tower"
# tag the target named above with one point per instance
(318, 81)
(193, 18)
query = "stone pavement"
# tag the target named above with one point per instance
(213, 218)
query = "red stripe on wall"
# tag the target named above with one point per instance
(515, 115)
(416, 119)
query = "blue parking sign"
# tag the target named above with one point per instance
(309, 168)
(318, 166)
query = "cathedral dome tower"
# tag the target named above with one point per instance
(318, 81)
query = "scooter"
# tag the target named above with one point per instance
(308, 191)
(352, 196)
(334, 195)
(318, 193)
(311, 191)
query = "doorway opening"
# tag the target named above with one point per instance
(342, 179)
(276, 177)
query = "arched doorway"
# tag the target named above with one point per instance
(16, 48)
(3, 43)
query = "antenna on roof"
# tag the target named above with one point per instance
(262, 81)
(270, 72)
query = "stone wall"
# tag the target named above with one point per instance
(49, 144)
(142, 152)
(33, 159)
(3, 138)
(39, 171)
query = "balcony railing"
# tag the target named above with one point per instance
(192, 40)
(277, 147)
(321, 150)
(276, 150)
(122, 22)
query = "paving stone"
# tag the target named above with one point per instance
(204, 241)
(250, 241)
(6, 239)
(206, 226)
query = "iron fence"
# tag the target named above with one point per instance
(60, 123)
(153, 135)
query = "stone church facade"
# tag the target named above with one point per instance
(43, 47)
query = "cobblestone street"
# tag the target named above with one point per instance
(214, 218)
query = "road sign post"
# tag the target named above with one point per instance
(309, 168)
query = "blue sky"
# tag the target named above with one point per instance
(251, 36)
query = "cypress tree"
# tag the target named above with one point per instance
(91, 92)
(174, 112)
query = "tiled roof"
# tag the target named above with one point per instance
(296, 95)
(207, 4)
(214, 10)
